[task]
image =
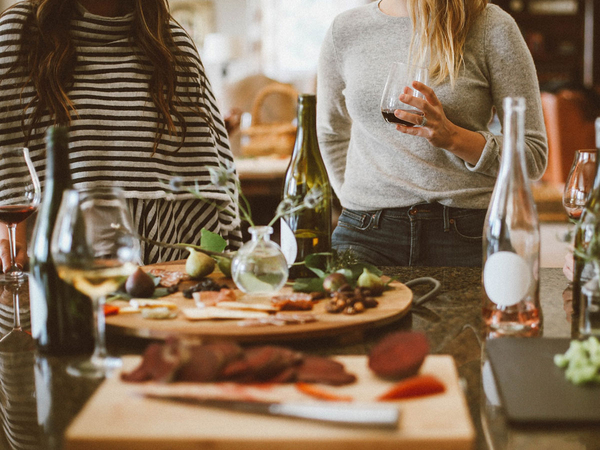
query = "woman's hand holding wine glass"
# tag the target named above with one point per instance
(20, 196)
(95, 249)
(399, 82)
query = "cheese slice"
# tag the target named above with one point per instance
(129, 310)
(149, 303)
(247, 306)
(212, 312)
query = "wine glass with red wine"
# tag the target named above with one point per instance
(579, 182)
(20, 195)
(399, 81)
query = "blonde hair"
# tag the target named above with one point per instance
(440, 32)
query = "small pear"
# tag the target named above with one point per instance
(224, 265)
(198, 264)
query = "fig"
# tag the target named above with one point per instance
(198, 264)
(334, 281)
(139, 284)
(371, 281)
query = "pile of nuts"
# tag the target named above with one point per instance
(350, 301)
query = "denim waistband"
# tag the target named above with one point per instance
(421, 211)
(429, 209)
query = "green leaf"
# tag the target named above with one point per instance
(155, 279)
(317, 263)
(160, 292)
(308, 285)
(212, 241)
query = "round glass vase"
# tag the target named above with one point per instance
(259, 267)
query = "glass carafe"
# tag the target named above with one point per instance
(259, 267)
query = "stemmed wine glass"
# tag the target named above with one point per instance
(16, 339)
(95, 249)
(399, 81)
(20, 195)
(579, 182)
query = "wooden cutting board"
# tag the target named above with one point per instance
(115, 417)
(393, 305)
(533, 389)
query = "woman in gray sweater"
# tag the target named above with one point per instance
(418, 195)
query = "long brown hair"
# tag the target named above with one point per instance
(441, 28)
(48, 56)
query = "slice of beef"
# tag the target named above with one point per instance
(261, 364)
(399, 355)
(206, 362)
(317, 369)
(159, 363)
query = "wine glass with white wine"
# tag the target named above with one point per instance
(95, 249)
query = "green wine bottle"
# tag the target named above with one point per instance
(587, 237)
(61, 316)
(307, 230)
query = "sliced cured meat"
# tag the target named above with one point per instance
(159, 363)
(399, 355)
(169, 278)
(317, 369)
(261, 364)
(205, 362)
(293, 305)
(226, 361)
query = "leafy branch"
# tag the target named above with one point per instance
(223, 177)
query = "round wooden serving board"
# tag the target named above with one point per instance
(393, 304)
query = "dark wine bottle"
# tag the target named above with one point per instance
(61, 316)
(308, 230)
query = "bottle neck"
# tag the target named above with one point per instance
(57, 159)
(307, 125)
(261, 233)
(513, 152)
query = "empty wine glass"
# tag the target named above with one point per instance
(399, 81)
(95, 249)
(20, 196)
(579, 182)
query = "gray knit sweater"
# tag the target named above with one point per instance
(372, 165)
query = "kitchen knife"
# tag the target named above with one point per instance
(358, 414)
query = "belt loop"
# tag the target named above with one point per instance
(376, 217)
(446, 214)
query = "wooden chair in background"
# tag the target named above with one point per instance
(569, 129)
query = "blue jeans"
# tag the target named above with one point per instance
(428, 234)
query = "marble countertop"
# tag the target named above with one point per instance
(49, 399)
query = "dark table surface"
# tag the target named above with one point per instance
(38, 400)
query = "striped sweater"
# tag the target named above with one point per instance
(113, 129)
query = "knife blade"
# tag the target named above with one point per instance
(356, 414)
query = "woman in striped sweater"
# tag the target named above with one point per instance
(129, 83)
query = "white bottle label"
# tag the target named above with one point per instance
(288, 243)
(39, 308)
(506, 278)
